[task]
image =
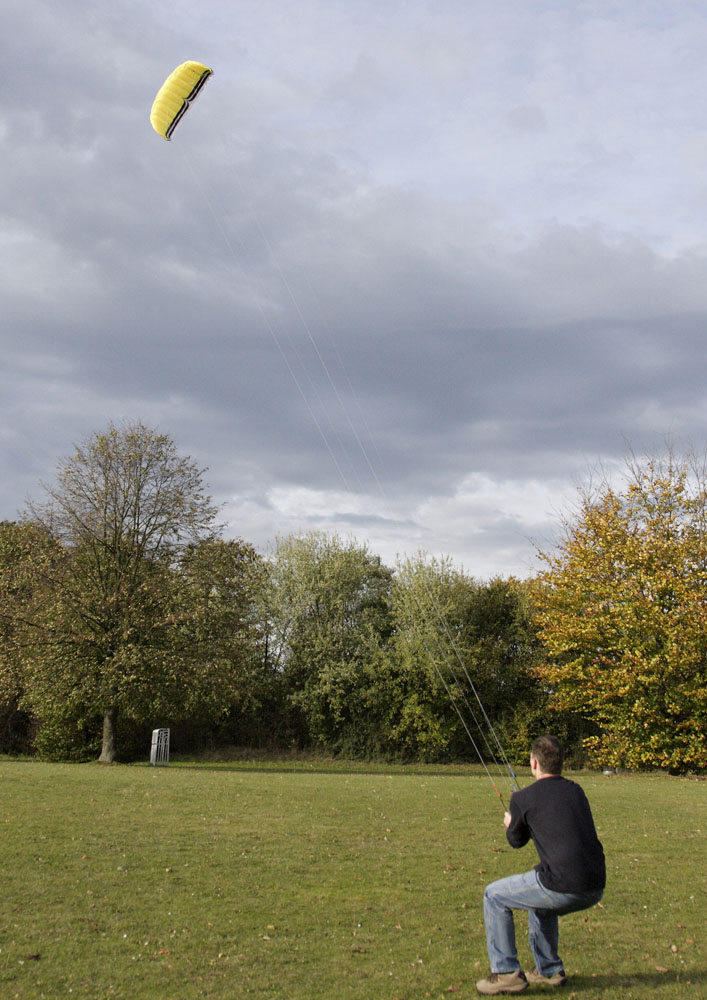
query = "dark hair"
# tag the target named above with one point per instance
(548, 753)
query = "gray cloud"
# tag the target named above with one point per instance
(312, 302)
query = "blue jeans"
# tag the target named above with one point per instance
(525, 892)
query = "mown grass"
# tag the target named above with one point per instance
(310, 881)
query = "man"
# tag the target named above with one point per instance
(571, 874)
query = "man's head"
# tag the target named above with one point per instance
(547, 751)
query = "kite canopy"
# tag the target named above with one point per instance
(175, 95)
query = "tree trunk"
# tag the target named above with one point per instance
(110, 718)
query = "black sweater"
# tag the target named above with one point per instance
(556, 814)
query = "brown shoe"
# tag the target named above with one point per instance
(503, 982)
(537, 978)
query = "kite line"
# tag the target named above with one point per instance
(170, 105)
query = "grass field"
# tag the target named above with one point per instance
(310, 881)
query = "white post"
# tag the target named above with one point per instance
(159, 751)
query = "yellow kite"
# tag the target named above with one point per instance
(175, 95)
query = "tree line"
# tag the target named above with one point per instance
(123, 608)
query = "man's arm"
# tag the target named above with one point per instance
(517, 830)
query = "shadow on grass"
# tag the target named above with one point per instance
(619, 981)
(303, 765)
(379, 770)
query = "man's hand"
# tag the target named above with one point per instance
(506, 819)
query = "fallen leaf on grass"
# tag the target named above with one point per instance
(661, 968)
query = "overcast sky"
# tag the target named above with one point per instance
(407, 271)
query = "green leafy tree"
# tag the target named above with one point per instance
(470, 651)
(623, 615)
(26, 555)
(506, 656)
(219, 633)
(106, 635)
(328, 625)
(502, 643)
(428, 705)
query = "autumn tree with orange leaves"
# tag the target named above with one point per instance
(623, 615)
